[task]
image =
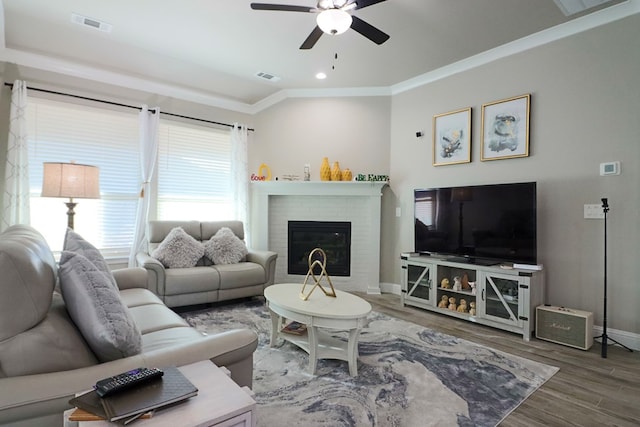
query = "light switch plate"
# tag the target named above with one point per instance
(593, 212)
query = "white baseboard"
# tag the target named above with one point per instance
(390, 288)
(628, 339)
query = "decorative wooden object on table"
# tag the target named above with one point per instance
(317, 258)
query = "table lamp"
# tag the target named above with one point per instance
(70, 180)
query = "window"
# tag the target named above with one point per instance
(64, 132)
(194, 172)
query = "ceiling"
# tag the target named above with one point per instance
(216, 47)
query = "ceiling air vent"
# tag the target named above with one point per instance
(267, 76)
(90, 22)
(571, 7)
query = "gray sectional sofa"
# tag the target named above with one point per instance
(46, 357)
(206, 282)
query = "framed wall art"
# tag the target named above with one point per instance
(452, 137)
(505, 128)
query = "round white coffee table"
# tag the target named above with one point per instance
(344, 312)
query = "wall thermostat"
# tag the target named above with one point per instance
(610, 168)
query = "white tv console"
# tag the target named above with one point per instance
(503, 298)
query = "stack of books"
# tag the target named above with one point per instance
(295, 328)
(134, 403)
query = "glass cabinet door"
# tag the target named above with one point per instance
(501, 295)
(419, 282)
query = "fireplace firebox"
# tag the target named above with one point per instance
(333, 237)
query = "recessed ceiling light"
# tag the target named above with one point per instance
(321, 76)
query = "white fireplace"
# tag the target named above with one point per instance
(275, 203)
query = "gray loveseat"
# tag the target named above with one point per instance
(206, 282)
(44, 357)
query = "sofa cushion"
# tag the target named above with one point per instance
(169, 337)
(191, 280)
(240, 275)
(225, 247)
(54, 344)
(97, 310)
(73, 242)
(28, 272)
(178, 250)
(139, 296)
(156, 317)
(157, 231)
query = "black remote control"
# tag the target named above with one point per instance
(126, 380)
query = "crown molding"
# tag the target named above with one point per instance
(578, 25)
(318, 93)
(74, 69)
(2, 25)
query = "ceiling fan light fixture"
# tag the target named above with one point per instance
(334, 21)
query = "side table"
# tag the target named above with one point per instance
(220, 402)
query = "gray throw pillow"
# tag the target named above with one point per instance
(73, 242)
(95, 307)
(225, 247)
(178, 250)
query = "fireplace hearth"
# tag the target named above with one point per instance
(333, 237)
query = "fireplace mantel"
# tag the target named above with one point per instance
(317, 188)
(316, 195)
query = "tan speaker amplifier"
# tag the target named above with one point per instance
(565, 326)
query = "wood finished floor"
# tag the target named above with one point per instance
(587, 391)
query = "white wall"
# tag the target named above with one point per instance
(353, 131)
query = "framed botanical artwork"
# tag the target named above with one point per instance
(505, 128)
(452, 137)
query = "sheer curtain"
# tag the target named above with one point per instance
(240, 173)
(148, 140)
(15, 204)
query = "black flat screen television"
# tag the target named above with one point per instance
(482, 224)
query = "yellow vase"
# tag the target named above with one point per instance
(347, 175)
(336, 173)
(325, 170)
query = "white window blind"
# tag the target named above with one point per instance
(65, 132)
(194, 172)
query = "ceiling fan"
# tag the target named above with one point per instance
(333, 18)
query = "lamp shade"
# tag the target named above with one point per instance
(334, 21)
(70, 180)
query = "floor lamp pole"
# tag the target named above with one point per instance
(70, 212)
(605, 338)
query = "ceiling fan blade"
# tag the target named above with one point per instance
(369, 31)
(365, 3)
(282, 7)
(312, 39)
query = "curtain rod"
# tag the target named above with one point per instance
(117, 104)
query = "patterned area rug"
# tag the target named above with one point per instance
(407, 376)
